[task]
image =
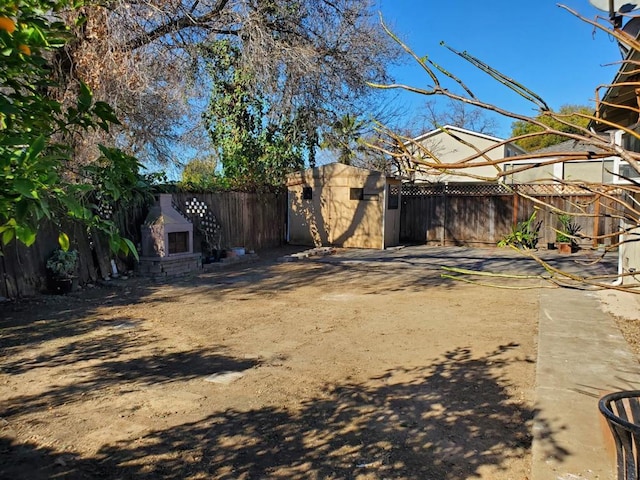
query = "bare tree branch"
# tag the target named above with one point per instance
(599, 136)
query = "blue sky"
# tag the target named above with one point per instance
(537, 43)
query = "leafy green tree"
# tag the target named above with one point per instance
(252, 148)
(200, 173)
(568, 119)
(355, 141)
(36, 181)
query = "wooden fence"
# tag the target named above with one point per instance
(253, 220)
(482, 214)
(23, 269)
(479, 214)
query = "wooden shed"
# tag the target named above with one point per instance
(344, 206)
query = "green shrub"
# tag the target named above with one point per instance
(62, 264)
(524, 235)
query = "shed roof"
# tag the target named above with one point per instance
(330, 170)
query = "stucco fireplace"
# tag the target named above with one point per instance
(167, 241)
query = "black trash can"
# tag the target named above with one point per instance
(622, 412)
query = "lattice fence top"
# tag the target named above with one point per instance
(558, 189)
(470, 189)
(488, 189)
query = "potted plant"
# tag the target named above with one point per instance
(62, 267)
(566, 238)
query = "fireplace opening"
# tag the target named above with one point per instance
(178, 242)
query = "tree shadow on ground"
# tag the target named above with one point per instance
(89, 354)
(451, 419)
(28, 322)
(98, 366)
(412, 269)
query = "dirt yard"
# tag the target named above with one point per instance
(302, 370)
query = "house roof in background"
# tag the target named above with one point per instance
(571, 146)
(452, 128)
(620, 93)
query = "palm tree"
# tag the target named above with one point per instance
(345, 138)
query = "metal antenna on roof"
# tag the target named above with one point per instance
(617, 9)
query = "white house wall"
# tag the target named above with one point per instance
(587, 171)
(450, 150)
(630, 256)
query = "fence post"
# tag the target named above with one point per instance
(596, 222)
(515, 206)
(444, 213)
